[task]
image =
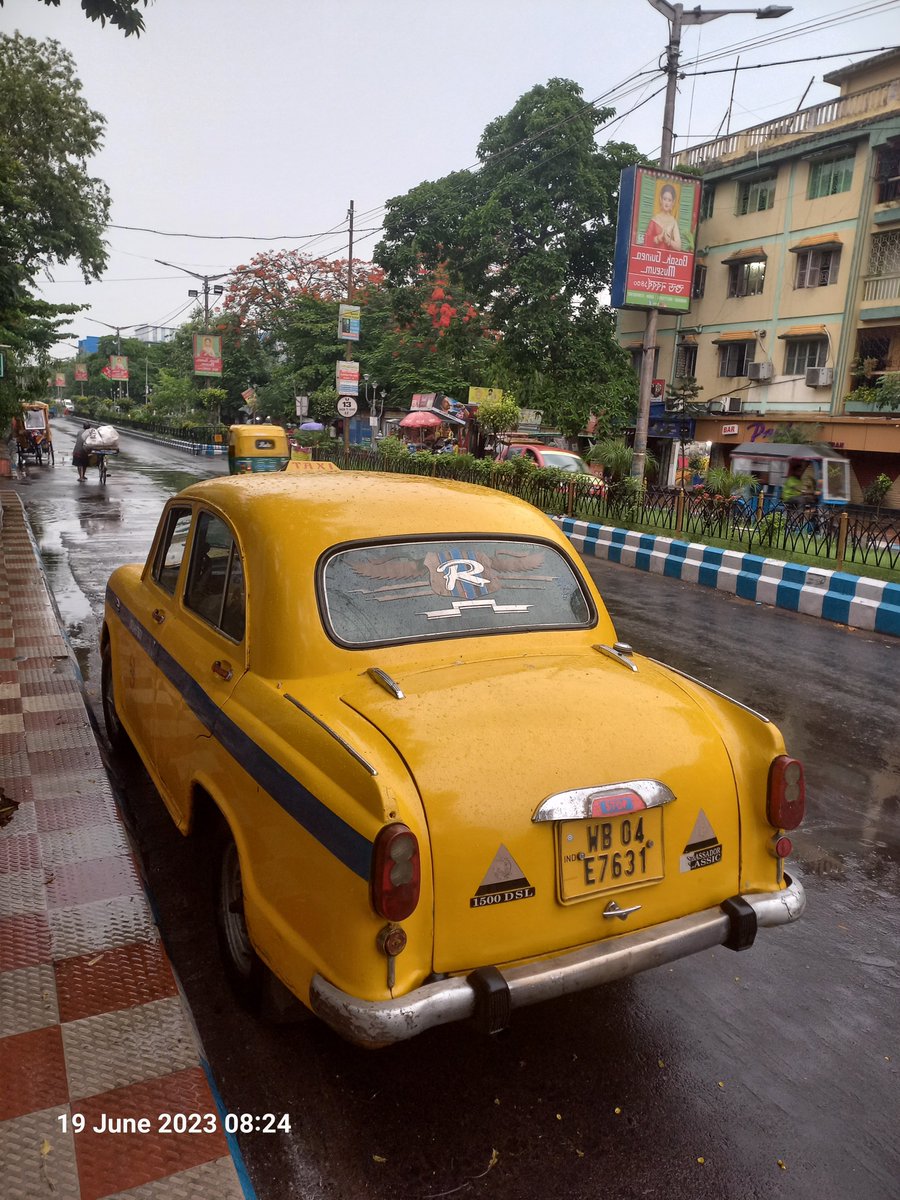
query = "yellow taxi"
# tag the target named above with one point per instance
(432, 783)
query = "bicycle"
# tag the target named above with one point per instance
(101, 456)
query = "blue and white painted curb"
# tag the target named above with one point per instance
(832, 595)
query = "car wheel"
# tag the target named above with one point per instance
(115, 731)
(245, 970)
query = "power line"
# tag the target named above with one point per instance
(785, 62)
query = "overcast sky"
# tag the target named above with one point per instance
(263, 120)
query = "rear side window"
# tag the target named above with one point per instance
(170, 552)
(464, 587)
(215, 586)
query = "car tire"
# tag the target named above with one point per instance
(115, 730)
(245, 971)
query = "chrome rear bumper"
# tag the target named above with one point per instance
(375, 1023)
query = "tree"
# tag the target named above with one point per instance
(261, 292)
(123, 14)
(530, 236)
(51, 210)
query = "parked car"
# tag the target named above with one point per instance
(68, 406)
(347, 684)
(552, 456)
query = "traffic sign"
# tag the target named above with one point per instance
(347, 406)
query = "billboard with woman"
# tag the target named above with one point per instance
(655, 240)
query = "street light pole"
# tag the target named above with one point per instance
(677, 17)
(206, 280)
(117, 329)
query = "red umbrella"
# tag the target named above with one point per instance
(420, 419)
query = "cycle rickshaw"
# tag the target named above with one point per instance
(33, 437)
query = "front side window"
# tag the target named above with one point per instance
(746, 278)
(215, 586)
(707, 201)
(755, 195)
(170, 551)
(830, 177)
(465, 587)
(805, 352)
(699, 285)
(734, 358)
(817, 268)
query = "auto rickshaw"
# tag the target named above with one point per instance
(32, 432)
(257, 448)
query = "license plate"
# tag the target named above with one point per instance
(598, 856)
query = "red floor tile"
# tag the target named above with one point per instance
(109, 1163)
(92, 879)
(112, 980)
(24, 941)
(22, 853)
(33, 1071)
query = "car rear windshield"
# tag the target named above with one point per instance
(417, 590)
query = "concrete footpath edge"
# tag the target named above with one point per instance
(853, 600)
(106, 1090)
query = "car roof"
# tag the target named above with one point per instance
(332, 507)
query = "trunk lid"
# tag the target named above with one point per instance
(488, 741)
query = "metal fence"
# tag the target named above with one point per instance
(848, 534)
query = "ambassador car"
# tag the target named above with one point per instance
(430, 781)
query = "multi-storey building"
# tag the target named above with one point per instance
(154, 333)
(797, 283)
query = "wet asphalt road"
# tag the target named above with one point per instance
(768, 1074)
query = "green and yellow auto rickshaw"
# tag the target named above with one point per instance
(257, 448)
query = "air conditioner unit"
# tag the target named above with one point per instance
(819, 376)
(760, 370)
(733, 404)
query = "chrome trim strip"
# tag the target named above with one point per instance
(616, 654)
(384, 680)
(576, 804)
(381, 1022)
(337, 737)
(715, 691)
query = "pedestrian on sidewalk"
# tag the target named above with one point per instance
(80, 456)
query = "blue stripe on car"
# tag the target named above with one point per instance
(347, 845)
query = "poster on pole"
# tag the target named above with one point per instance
(208, 354)
(656, 236)
(81, 373)
(347, 377)
(118, 367)
(60, 379)
(348, 322)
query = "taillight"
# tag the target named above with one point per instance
(786, 802)
(395, 873)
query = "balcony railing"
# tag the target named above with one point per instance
(842, 108)
(881, 287)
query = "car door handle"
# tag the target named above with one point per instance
(158, 616)
(222, 669)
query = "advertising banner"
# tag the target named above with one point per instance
(118, 367)
(207, 354)
(478, 395)
(60, 379)
(348, 322)
(347, 377)
(81, 373)
(656, 236)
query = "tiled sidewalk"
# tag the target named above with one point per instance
(92, 1024)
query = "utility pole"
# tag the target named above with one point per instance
(677, 17)
(348, 352)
